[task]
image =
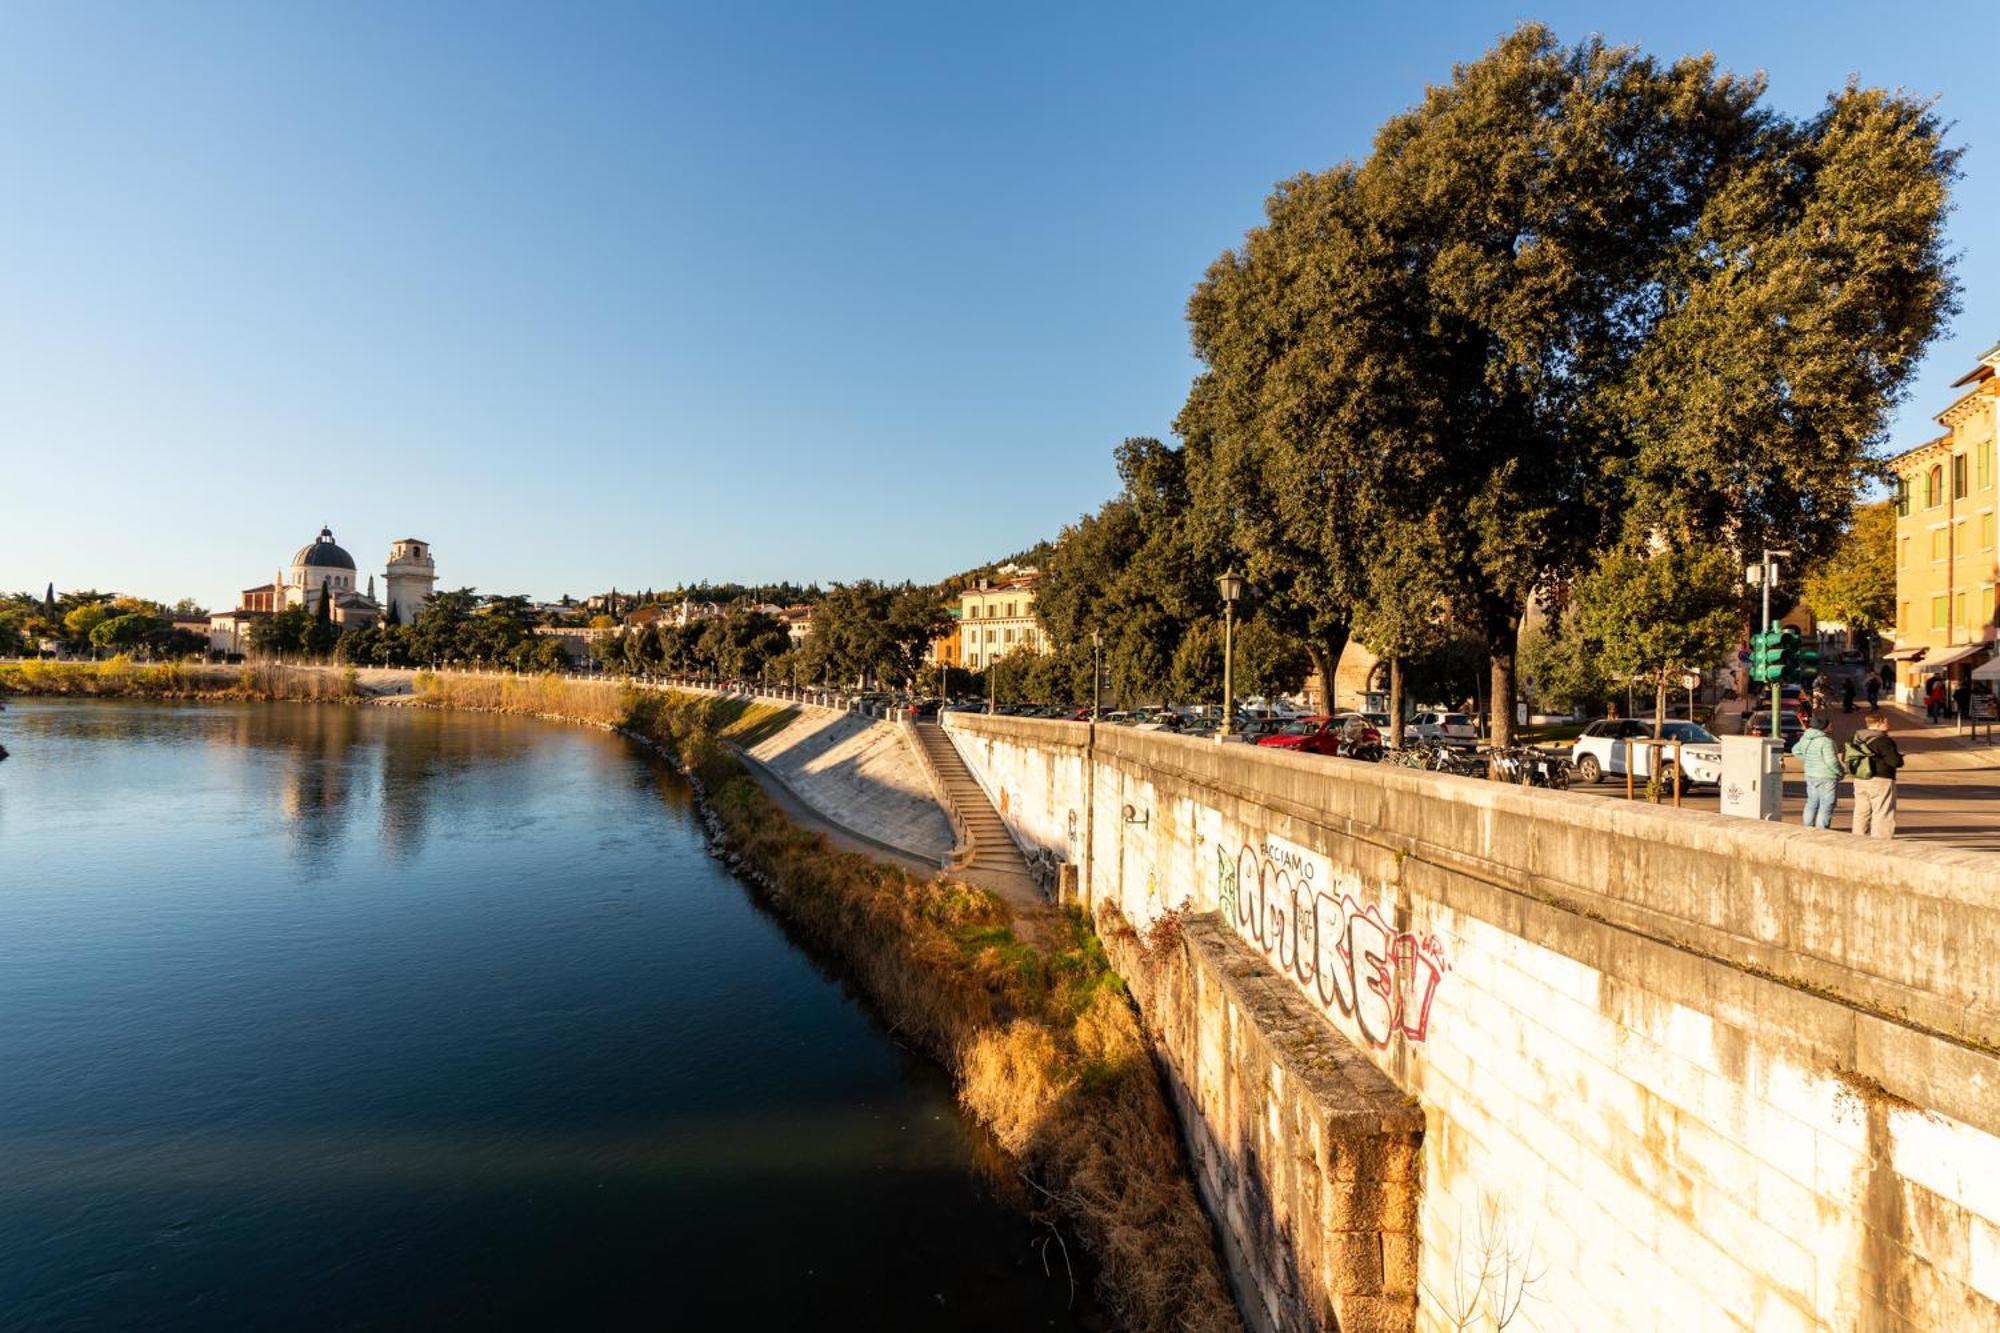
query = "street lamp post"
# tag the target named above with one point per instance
(1096, 675)
(1231, 587)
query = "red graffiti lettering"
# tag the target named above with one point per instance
(1348, 957)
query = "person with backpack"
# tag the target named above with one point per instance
(1934, 698)
(1871, 760)
(1821, 760)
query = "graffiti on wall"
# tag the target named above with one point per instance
(1281, 898)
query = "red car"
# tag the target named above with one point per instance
(1309, 735)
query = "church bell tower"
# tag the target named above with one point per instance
(411, 576)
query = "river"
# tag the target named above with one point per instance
(353, 1017)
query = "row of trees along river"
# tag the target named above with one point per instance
(1584, 329)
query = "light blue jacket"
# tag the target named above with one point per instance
(1818, 754)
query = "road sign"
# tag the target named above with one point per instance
(1690, 681)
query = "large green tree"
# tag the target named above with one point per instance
(1575, 296)
(1652, 612)
(1856, 583)
(1281, 427)
(1134, 575)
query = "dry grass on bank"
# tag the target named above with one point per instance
(605, 702)
(1045, 1044)
(120, 677)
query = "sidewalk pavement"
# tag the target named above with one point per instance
(1947, 793)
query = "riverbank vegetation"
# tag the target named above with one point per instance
(1044, 1043)
(120, 677)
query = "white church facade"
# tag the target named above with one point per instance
(323, 568)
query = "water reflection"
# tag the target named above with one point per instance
(523, 1057)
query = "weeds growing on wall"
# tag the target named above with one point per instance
(1044, 1043)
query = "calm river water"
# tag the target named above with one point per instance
(325, 1017)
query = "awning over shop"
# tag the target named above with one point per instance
(1950, 656)
(1906, 654)
(1987, 670)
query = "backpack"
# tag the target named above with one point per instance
(1858, 760)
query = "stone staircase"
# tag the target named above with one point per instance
(987, 856)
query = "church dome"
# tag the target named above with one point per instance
(323, 553)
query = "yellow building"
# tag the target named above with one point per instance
(997, 617)
(945, 647)
(1946, 558)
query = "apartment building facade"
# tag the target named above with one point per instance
(1947, 556)
(997, 617)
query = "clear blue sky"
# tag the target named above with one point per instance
(595, 294)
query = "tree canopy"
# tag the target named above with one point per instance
(1574, 299)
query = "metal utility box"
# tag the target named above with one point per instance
(1753, 777)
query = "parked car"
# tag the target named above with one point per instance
(1443, 728)
(1324, 735)
(1307, 735)
(1789, 726)
(1608, 748)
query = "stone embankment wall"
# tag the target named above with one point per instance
(859, 771)
(1672, 1070)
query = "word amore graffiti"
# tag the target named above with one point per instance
(1281, 898)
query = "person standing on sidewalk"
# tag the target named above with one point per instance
(1874, 689)
(1871, 759)
(1821, 760)
(1961, 702)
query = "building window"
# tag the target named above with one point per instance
(1010, 610)
(1986, 605)
(1903, 553)
(1940, 538)
(1902, 497)
(1982, 468)
(1986, 531)
(1940, 612)
(1959, 606)
(1934, 488)
(1958, 476)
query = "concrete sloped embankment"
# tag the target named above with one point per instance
(855, 772)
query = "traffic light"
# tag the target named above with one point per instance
(1767, 655)
(1805, 662)
(1788, 649)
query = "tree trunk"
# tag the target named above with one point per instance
(1659, 705)
(1396, 703)
(1324, 671)
(1330, 650)
(1501, 701)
